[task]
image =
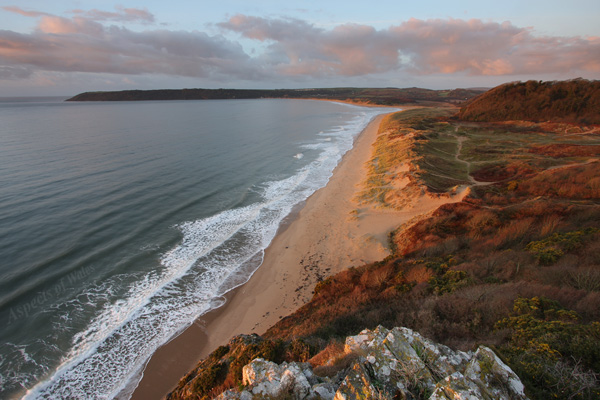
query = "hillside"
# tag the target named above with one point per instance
(515, 266)
(574, 101)
(375, 96)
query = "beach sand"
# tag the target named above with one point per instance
(330, 233)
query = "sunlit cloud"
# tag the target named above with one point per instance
(25, 13)
(98, 42)
(59, 25)
(82, 44)
(421, 46)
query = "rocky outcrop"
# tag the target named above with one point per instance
(391, 364)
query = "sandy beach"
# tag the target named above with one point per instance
(331, 232)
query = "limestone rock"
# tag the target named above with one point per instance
(265, 378)
(397, 363)
(497, 377)
(358, 384)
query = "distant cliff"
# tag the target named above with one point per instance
(574, 101)
(375, 96)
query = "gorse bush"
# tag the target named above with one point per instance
(515, 265)
(543, 335)
(550, 249)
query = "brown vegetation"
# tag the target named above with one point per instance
(457, 273)
(515, 265)
(576, 101)
(566, 150)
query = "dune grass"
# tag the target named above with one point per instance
(443, 153)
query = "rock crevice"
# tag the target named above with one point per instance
(391, 364)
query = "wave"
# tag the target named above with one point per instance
(215, 255)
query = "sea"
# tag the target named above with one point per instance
(123, 222)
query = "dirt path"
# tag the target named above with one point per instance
(472, 181)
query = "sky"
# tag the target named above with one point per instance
(64, 47)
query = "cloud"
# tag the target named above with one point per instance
(59, 25)
(83, 44)
(487, 48)
(70, 47)
(300, 48)
(446, 46)
(122, 15)
(20, 11)
(13, 73)
(96, 41)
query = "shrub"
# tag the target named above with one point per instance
(569, 101)
(322, 285)
(448, 282)
(209, 378)
(299, 350)
(550, 249)
(543, 335)
(587, 279)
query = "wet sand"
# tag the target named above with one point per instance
(330, 233)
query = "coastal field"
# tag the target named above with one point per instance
(507, 254)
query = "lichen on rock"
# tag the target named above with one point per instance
(397, 363)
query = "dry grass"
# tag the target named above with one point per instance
(457, 271)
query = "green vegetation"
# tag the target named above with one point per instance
(222, 369)
(404, 137)
(440, 153)
(375, 96)
(550, 249)
(455, 275)
(514, 266)
(553, 353)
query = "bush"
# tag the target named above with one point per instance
(209, 378)
(299, 350)
(550, 249)
(546, 338)
(448, 282)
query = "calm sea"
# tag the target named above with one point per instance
(121, 223)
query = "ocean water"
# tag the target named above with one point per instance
(121, 223)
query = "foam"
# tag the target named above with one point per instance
(215, 255)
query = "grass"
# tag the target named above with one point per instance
(514, 266)
(444, 153)
(455, 274)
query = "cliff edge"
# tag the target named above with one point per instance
(384, 364)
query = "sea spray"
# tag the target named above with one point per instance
(138, 309)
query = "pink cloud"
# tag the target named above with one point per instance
(445, 46)
(20, 11)
(479, 48)
(122, 14)
(290, 48)
(82, 44)
(60, 25)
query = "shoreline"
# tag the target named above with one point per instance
(328, 234)
(176, 358)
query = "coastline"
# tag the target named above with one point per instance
(272, 292)
(331, 232)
